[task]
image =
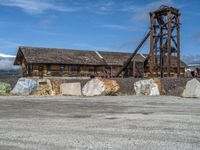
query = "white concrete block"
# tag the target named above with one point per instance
(73, 89)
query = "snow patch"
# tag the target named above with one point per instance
(6, 56)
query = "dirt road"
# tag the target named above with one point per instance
(129, 122)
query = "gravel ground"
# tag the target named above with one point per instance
(128, 122)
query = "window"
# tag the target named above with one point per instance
(62, 67)
(30, 69)
(48, 69)
(74, 69)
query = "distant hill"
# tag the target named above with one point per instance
(10, 72)
(195, 62)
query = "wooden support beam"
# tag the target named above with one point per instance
(178, 47)
(169, 17)
(133, 54)
(161, 52)
(151, 54)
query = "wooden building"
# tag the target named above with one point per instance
(44, 62)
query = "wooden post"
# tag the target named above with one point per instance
(152, 58)
(161, 52)
(178, 46)
(134, 68)
(169, 16)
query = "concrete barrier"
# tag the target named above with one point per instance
(71, 89)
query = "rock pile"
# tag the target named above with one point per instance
(48, 87)
(25, 86)
(98, 86)
(111, 87)
(56, 86)
(147, 87)
(192, 89)
(45, 88)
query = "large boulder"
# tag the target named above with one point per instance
(55, 83)
(71, 89)
(48, 86)
(160, 86)
(111, 87)
(98, 86)
(192, 89)
(147, 87)
(4, 88)
(25, 86)
(45, 88)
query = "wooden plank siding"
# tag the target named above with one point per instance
(46, 70)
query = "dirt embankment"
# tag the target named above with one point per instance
(175, 86)
(172, 86)
(11, 79)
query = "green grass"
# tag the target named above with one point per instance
(3, 94)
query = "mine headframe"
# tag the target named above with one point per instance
(164, 42)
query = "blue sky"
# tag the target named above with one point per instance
(116, 25)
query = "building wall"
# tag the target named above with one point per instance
(173, 72)
(45, 70)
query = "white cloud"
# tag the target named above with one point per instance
(117, 26)
(36, 6)
(7, 56)
(100, 7)
(121, 27)
(141, 12)
(7, 64)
